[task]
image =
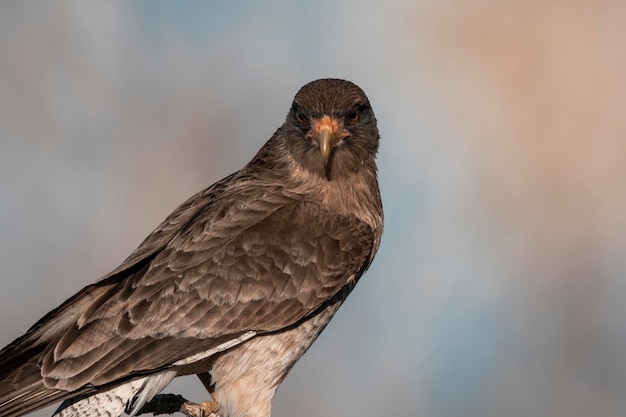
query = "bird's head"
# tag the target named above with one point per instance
(331, 128)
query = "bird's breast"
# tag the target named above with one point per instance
(246, 378)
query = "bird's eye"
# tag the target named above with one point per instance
(301, 118)
(353, 116)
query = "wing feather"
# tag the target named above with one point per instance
(226, 264)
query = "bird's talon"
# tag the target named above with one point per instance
(209, 407)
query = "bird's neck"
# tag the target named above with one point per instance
(350, 194)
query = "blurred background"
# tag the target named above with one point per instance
(499, 288)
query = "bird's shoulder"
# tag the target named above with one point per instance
(254, 217)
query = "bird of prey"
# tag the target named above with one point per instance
(234, 286)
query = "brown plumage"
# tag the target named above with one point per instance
(237, 282)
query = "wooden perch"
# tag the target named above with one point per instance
(173, 403)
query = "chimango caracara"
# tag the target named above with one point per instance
(234, 286)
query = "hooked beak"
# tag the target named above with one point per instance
(327, 134)
(326, 140)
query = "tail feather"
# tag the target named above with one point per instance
(29, 399)
(26, 399)
(22, 389)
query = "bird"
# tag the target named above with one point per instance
(233, 286)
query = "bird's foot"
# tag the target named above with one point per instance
(204, 409)
(209, 408)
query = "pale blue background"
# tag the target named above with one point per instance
(499, 287)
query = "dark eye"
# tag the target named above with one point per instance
(301, 118)
(353, 116)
